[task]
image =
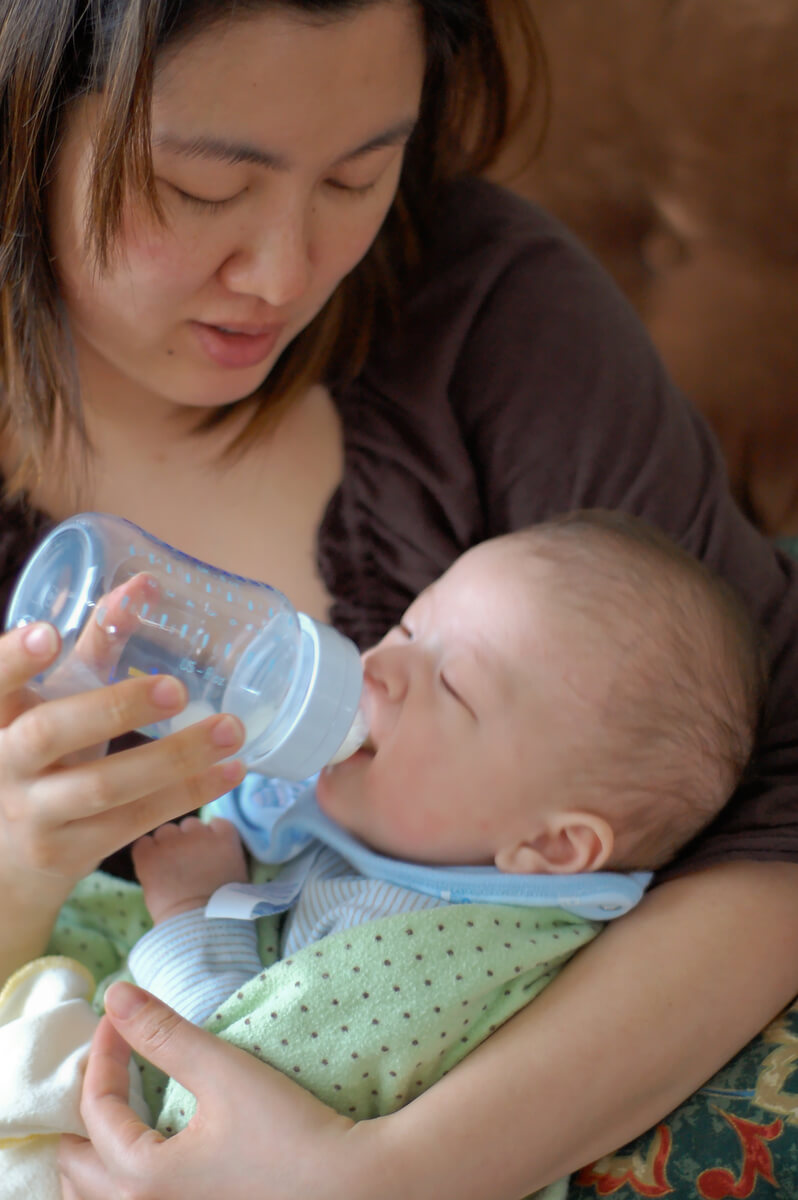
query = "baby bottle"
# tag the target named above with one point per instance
(127, 604)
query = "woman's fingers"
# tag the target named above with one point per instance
(64, 816)
(67, 1190)
(162, 1037)
(104, 637)
(123, 1150)
(62, 808)
(107, 1083)
(221, 1150)
(119, 826)
(74, 848)
(49, 732)
(97, 787)
(105, 1090)
(24, 652)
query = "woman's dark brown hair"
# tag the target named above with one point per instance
(53, 51)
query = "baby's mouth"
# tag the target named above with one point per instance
(352, 745)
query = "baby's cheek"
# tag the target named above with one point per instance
(410, 822)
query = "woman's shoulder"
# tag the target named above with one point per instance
(502, 279)
(476, 215)
(511, 321)
(480, 231)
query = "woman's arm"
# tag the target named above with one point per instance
(30, 907)
(625, 1033)
(630, 1028)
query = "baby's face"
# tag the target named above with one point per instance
(466, 734)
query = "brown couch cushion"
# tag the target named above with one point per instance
(670, 151)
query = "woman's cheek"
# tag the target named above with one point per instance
(163, 253)
(347, 254)
(352, 236)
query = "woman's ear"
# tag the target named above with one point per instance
(570, 842)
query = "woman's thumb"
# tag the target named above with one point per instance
(189, 1054)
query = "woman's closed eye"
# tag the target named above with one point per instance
(360, 189)
(359, 178)
(201, 202)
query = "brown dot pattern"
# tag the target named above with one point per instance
(438, 983)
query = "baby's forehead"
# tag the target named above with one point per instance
(532, 620)
(500, 563)
(496, 606)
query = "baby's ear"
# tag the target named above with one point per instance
(569, 842)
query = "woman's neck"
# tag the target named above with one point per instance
(256, 515)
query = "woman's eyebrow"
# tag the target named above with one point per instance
(234, 153)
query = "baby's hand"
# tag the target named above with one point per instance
(180, 866)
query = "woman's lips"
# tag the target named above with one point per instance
(236, 347)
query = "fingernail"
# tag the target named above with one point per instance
(40, 640)
(166, 692)
(226, 732)
(123, 1000)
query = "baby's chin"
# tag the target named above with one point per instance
(342, 781)
(325, 788)
(343, 790)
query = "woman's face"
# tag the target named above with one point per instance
(277, 146)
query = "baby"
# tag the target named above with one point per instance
(579, 695)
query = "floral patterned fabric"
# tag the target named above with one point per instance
(735, 1139)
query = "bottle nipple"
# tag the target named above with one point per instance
(358, 732)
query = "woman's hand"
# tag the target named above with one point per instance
(244, 1109)
(62, 808)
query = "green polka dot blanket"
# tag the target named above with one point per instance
(367, 1018)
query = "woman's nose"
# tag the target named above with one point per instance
(274, 265)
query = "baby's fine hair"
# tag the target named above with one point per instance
(676, 731)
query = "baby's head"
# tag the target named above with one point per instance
(577, 695)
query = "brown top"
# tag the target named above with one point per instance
(521, 385)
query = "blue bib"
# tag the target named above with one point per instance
(281, 821)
